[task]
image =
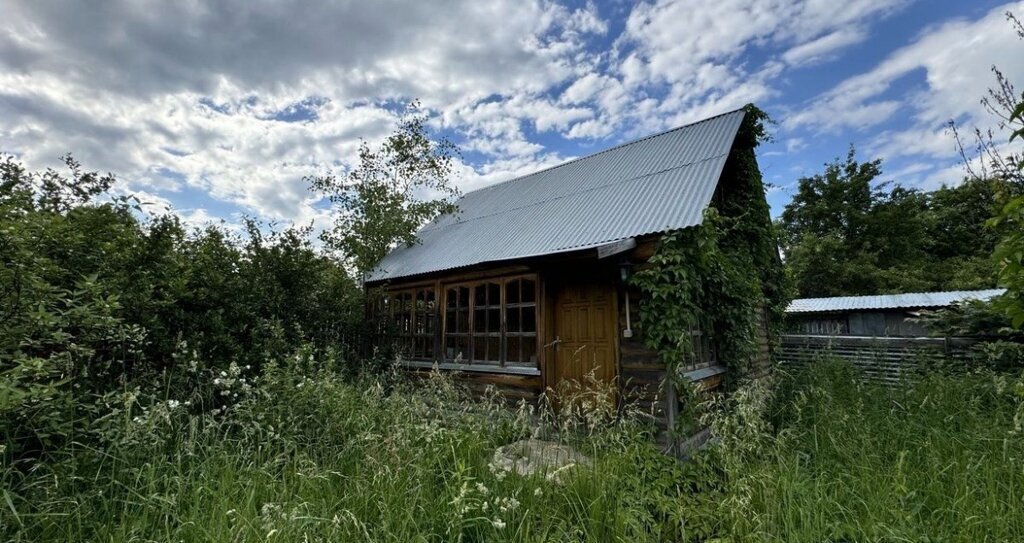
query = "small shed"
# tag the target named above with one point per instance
(886, 315)
(525, 286)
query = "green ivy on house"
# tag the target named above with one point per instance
(720, 276)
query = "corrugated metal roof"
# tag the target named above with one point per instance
(655, 184)
(889, 301)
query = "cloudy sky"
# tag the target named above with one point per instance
(219, 108)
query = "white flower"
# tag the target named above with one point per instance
(498, 523)
(538, 492)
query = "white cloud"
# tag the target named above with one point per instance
(195, 97)
(147, 88)
(679, 60)
(824, 47)
(955, 59)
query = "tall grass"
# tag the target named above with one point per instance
(938, 460)
(300, 458)
(301, 455)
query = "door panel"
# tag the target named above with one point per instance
(585, 324)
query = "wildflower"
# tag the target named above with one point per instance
(482, 489)
(498, 523)
(507, 504)
(538, 492)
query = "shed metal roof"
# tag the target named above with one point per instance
(655, 184)
(889, 301)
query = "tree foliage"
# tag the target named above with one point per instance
(1010, 252)
(94, 297)
(846, 232)
(392, 192)
(1002, 160)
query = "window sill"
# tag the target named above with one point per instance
(704, 373)
(470, 367)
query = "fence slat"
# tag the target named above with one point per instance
(882, 359)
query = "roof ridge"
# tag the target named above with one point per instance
(432, 226)
(899, 294)
(612, 148)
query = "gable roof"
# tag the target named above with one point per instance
(656, 184)
(889, 301)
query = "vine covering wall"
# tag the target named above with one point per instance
(721, 276)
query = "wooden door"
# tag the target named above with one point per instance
(586, 332)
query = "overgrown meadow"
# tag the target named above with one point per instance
(165, 384)
(299, 454)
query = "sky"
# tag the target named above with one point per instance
(217, 110)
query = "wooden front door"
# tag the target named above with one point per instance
(586, 333)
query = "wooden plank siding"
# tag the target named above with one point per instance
(640, 373)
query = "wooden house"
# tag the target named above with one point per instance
(526, 285)
(883, 315)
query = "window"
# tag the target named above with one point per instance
(410, 317)
(521, 322)
(401, 322)
(703, 354)
(456, 323)
(492, 323)
(424, 324)
(487, 323)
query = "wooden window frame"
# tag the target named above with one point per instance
(503, 364)
(405, 340)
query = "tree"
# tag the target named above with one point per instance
(997, 161)
(392, 192)
(846, 233)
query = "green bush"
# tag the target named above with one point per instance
(96, 296)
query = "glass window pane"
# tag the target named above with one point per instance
(514, 322)
(462, 348)
(530, 350)
(479, 321)
(529, 319)
(494, 320)
(462, 321)
(479, 348)
(512, 349)
(452, 298)
(512, 292)
(528, 291)
(493, 294)
(493, 348)
(480, 295)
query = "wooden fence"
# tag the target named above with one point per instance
(882, 359)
